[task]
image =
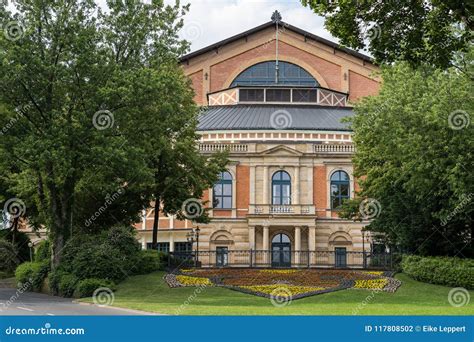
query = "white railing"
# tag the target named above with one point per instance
(206, 148)
(333, 148)
(273, 209)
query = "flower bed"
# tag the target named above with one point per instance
(297, 282)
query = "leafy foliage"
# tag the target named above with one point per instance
(415, 31)
(446, 271)
(72, 85)
(43, 251)
(414, 152)
(32, 274)
(8, 257)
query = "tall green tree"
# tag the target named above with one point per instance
(411, 30)
(415, 151)
(74, 79)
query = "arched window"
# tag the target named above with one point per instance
(339, 188)
(281, 188)
(264, 74)
(222, 191)
(281, 238)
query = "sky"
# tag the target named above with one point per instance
(210, 21)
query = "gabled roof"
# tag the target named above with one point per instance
(265, 117)
(306, 34)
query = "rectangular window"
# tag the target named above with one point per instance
(183, 247)
(278, 95)
(304, 95)
(251, 95)
(161, 247)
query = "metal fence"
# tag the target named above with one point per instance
(282, 259)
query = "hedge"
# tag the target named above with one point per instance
(448, 271)
(32, 274)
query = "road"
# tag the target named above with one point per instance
(14, 303)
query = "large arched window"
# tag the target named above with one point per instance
(339, 188)
(222, 191)
(264, 74)
(281, 188)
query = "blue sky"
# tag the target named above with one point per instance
(210, 21)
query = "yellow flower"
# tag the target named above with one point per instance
(193, 281)
(187, 270)
(376, 273)
(282, 290)
(372, 284)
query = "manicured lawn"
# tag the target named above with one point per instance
(151, 293)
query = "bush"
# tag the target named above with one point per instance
(114, 255)
(67, 284)
(21, 243)
(86, 287)
(43, 252)
(32, 274)
(8, 257)
(152, 261)
(448, 271)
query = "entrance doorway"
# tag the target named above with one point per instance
(222, 256)
(281, 251)
(341, 256)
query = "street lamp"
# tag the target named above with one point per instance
(192, 236)
(30, 244)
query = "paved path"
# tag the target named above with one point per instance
(12, 302)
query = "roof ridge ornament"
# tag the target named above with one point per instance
(276, 17)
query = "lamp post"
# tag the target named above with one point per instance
(30, 245)
(363, 248)
(191, 237)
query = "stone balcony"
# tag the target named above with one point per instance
(287, 209)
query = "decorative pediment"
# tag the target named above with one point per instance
(282, 150)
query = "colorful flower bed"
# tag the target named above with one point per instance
(297, 283)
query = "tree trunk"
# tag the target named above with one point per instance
(156, 221)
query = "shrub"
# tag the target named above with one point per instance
(151, 261)
(113, 255)
(32, 274)
(448, 271)
(67, 284)
(86, 287)
(21, 243)
(8, 257)
(43, 252)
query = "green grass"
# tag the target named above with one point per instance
(150, 293)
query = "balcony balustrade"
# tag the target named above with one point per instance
(274, 209)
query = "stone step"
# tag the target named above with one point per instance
(7, 283)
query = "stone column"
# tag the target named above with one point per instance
(265, 185)
(171, 242)
(312, 244)
(266, 235)
(252, 237)
(296, 197)
(297, 245)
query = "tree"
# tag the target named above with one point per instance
(414, 31)
(415, 148)
(70, 79)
